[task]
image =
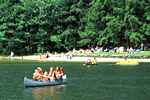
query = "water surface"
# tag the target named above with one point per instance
(105, 81)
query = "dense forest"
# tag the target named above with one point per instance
(33, 26)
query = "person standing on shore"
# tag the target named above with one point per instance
(47, 55)
(40, 56)
(125, 58)
(12, 55)
(142, 46)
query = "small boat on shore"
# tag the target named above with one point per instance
(131, 62)
(33, 83)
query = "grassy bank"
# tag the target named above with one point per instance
(144, 53)
(115, 53)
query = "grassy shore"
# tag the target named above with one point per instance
(84, 56)
(102, 53)
(117, 53)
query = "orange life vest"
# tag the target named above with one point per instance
(39, 76)
(45, 79)
(59, 74)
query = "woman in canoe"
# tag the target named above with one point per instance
(51, 74)
(37, 75)
(59, 72)
(45, 79)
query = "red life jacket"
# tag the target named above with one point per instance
(59, 74)
(89, 61)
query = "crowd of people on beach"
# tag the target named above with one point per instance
(45, 55)
(48, 55)
(51, 76)
(121, 49)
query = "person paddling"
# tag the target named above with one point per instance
(34, 74)
(88, 61)
(45, 79)
(95, 61)
(51, 74)
(38, 74)
(59, 72)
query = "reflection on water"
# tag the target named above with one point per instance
(46, 93)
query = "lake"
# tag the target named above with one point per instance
(105, 81)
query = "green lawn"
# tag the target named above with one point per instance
(103, 53)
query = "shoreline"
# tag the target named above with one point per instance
(76, 59)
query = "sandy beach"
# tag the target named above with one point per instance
(77, 59)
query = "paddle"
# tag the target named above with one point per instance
(45, 76)
(63, 77)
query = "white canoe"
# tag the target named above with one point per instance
(33, 83)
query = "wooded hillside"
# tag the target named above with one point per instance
(33, 26)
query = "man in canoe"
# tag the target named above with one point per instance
(38, 74)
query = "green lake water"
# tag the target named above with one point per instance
(105, 81)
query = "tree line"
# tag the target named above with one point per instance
(33, 26)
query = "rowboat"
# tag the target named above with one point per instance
(33, 83)
(131, 62)
(91, 64)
